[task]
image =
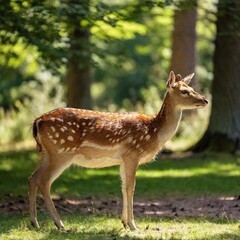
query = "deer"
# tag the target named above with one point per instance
(94, 139)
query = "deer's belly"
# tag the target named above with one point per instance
(94, 157)
(100, 162)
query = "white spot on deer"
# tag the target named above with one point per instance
(54, 141)
(59, 119)
(57, 135)
(49, 135)
(67, 149)
(52, 119)
(141, 138)
(107, 135)
(61, 150)
(83, 124)
(63, 129)
(53, 128)
(83, 134)
(74, 123)
(134, 141)
(73, 131)
(70, 138)
(137, 146)
(62, 141)
(74, 148)
(69, 123)
(77, 126)
(147, 137)
(155, 129)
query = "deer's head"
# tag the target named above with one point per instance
(182, 95)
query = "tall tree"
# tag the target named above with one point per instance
(183, 59)
(78, 77)
(223, 132)
(60, 32)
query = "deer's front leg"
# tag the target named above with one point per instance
(128, 174)
(124, 194)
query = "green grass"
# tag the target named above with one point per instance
(106, 227)
(194, 176)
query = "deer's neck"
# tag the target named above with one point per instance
(167, 120)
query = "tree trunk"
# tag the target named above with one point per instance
(184, 39)
(223, 132)
(78, 77)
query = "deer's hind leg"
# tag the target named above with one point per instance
(51, 172)
(33, 187)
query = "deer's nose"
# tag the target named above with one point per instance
(205, 100)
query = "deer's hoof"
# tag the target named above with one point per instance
(60, 226)
(35, 224)
(132, 226)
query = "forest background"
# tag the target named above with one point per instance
(116, 56)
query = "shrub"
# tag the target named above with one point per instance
(41, 95)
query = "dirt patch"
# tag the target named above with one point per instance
(212, 207)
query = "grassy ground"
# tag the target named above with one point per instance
(195, 176)
(106, 227)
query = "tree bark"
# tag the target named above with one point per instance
(223, 132)
(184, 40)
(78, 77)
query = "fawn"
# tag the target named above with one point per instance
(94, 139)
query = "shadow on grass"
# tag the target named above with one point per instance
(15, 168)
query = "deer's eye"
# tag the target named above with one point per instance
(184, 92)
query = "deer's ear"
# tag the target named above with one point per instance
(188, 78)
(171, 80)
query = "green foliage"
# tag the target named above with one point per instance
(37, 97)
(133, 63)
(130, 45)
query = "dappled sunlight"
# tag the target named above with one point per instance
(90, 226)
(213, 168)
(197, 175)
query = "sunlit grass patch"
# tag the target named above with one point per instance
(191, 176)
(198, 175)
(105, 227)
